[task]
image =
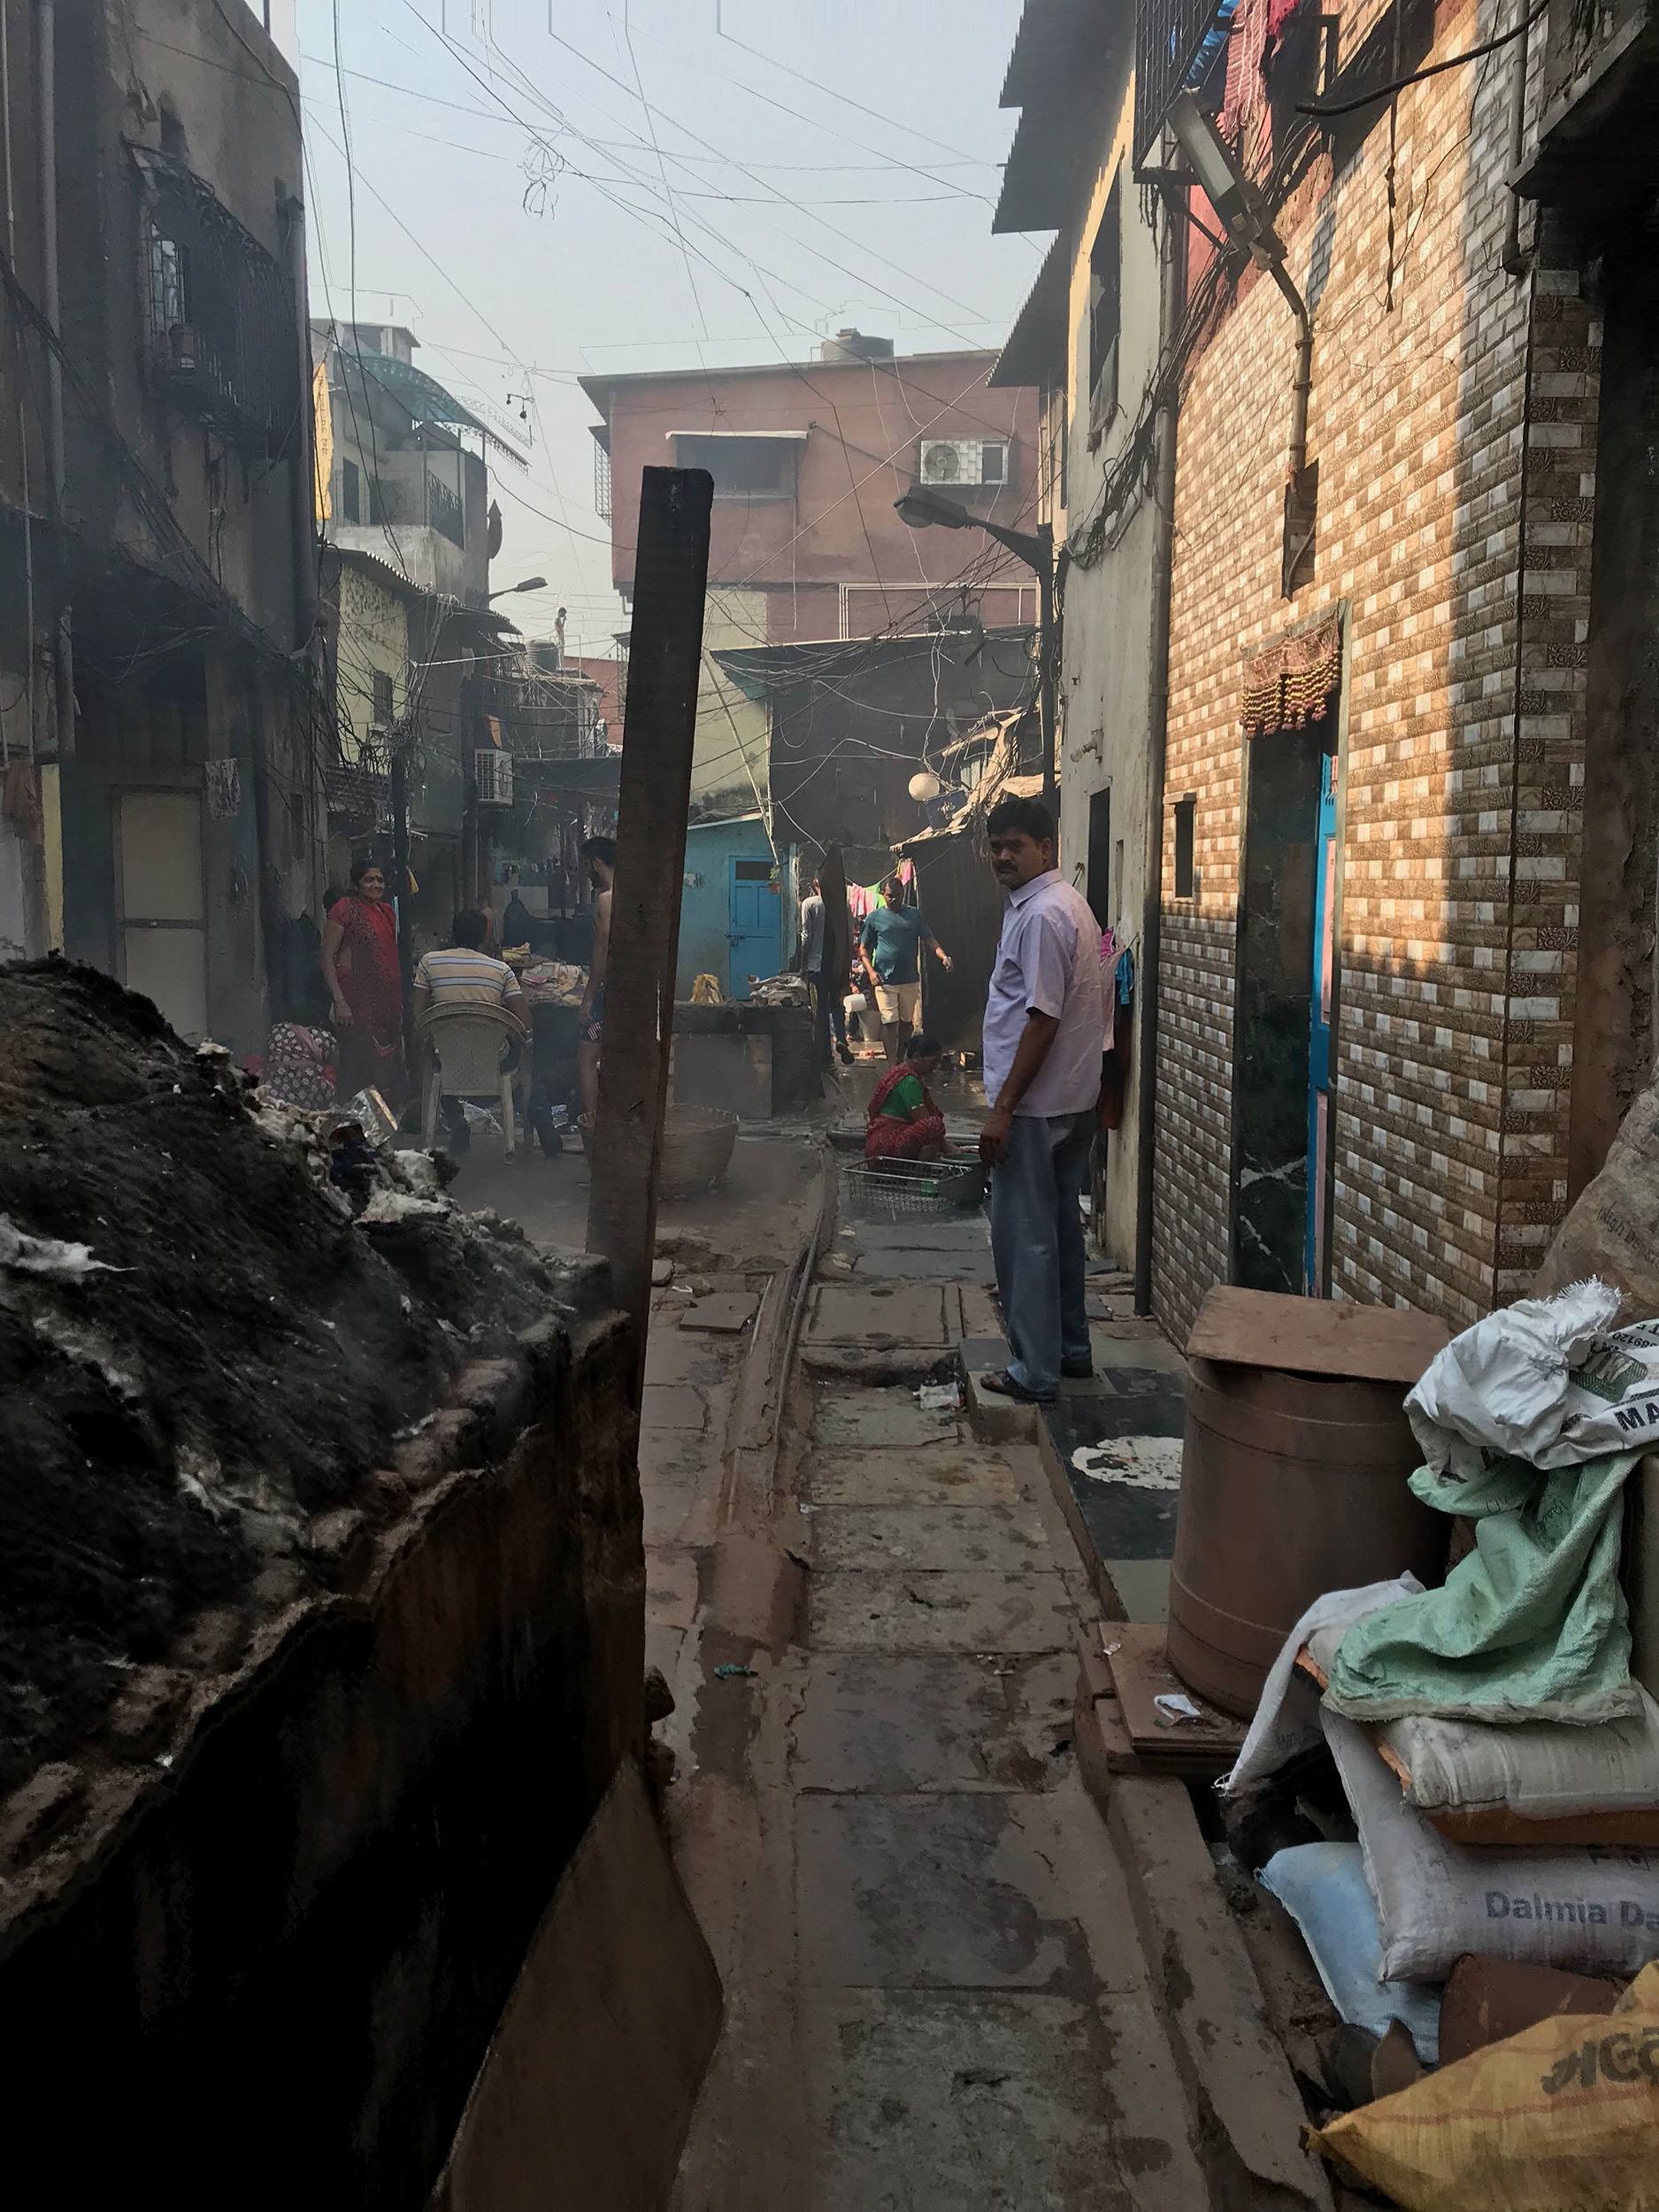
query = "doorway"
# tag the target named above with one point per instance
(1285, 1010)
(159, 877)
(754, 902)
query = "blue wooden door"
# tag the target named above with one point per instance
(752, 909)
(1319, 1051)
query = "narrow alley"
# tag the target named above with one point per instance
(873, 1623)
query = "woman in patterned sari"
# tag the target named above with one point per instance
(903, 1123)
(365, 987)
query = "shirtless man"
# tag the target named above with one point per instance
(600, 853)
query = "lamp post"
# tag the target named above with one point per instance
(1247, 225)
(924, 509)
(530, 583)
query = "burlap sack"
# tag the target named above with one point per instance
(1613, 1229)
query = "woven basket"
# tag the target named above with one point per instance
(697, 1146)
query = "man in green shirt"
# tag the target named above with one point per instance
(890, 949)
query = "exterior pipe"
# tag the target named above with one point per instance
(46, 105)
(1157, 735)
(1301, 387)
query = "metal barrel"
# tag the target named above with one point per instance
(1291, 1485)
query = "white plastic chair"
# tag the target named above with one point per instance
(467, 1045)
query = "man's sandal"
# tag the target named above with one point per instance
(1001, 1384)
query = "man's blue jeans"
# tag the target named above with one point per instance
(1037, 1245)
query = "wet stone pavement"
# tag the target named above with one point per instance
(936, 1999)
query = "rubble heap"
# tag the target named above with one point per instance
(204, 1357)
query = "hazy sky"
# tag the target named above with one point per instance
(546, 188)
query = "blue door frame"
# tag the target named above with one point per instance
(754, 904)
(1319, 1047)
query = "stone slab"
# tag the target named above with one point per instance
(979, 2102)
(932, 1892)
(900, 1723)
(940, 1612)
(998, 1538)
(725, 1313)
(672, 1406)
(944, 1473)
(876, 1314)
(858, 1420)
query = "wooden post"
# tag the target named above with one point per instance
(659, 730)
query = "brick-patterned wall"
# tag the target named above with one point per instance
(1459, 826)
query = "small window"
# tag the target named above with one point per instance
(1105, 308)
(1186, 812)
(380, 705)
(992, 462)
(350, 492)
(743, 468)
(752, 870)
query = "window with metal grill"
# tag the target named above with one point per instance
(380, 700)
(222, 334)
(1175, 42)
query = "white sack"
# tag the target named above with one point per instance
(1548, 1380)
(1588, 1911)
(1286, 1721)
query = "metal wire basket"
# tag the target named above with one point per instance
(911, 1190)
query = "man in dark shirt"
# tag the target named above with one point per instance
(890, 949)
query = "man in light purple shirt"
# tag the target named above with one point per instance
(1045, 1028)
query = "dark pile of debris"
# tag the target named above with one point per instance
(203, 1356)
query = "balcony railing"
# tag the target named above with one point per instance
(445, 512)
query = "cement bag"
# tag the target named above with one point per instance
(1613, 1228)
(1534, 1769)
(1559, 2118)
(1322, 1887)
(1287, 1722)
(1550, 1381)
(1590, 1910)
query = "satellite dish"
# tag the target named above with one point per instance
(925, 786)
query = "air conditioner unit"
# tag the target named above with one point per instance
(492, 772)
(965, 461)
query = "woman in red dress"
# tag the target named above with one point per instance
(903, 1123)
(365, 987)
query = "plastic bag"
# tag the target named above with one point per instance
(1560, 2118)
(1322, 1887)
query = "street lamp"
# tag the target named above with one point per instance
(924, 509)
(530, 583)
(1246, 221)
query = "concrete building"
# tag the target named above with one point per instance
(161, 729)
(1089, 337)
(808, 458)
(1404, 812)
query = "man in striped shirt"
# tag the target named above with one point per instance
(468, 975)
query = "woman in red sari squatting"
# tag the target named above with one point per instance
(904, 1123)
(366, 985)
